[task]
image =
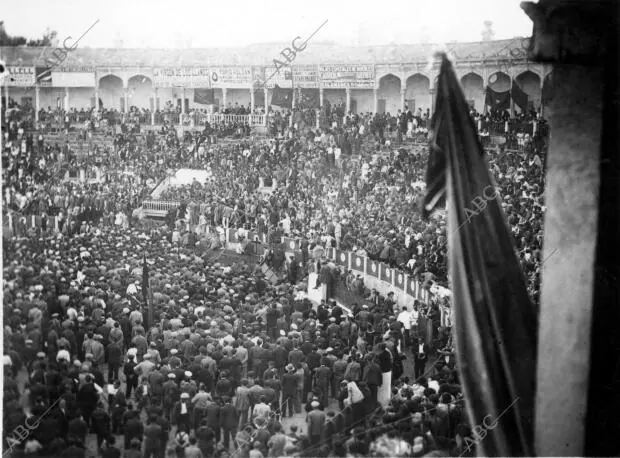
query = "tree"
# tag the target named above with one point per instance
(7, 40)
(48, 38)
(487, 32)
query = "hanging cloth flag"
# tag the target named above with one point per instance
(309, 98)
(204, 96)
(43, 75)
(497, 100)
(282, 97)
(496, 324)
(519, 96)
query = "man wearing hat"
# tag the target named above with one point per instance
(289, 389)
(171, 394)
(315, 423)
(182, 412)
(322, 380)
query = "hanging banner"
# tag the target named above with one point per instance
(182, 77)
(21, 76)
(412, 287)
(399, 280)
(342, 258)
(282, 77)
(76, 69)
(306, 76)
(73, 79)
(358, 262)
(386, 273)
(233, 77)
(372, 268)
(355, 76)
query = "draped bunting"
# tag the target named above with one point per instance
(342, 258)
(519, 96)
(204, 96)
(399, 280)
(372, 268)
(497, 100)
(358, 262)
(386, 273)
(282, 97)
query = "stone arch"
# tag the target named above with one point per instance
(530, 83)
(499, 81)
(389, 91)
(140, 89)
(417, 92)
(111, 91)
(473, 88)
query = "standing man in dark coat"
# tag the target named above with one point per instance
(373, 377)
(115, 354)
(87, 398)
(228, 421)
(212, 415)
(322, 380)
(316, 423)
(420, 353)
(133, 428)
(131, 377)
(100, 424)
(152, 439)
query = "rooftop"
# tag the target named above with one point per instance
(263, 54)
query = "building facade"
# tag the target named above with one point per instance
(374, 79)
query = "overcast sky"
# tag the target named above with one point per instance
(208, 23)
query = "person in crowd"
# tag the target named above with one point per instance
(228, 349)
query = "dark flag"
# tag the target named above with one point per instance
(497, 100)
(204, 96)
(259, 97)
(309, 98)
(496, 323)
(519, 96)
(282, 97)
(43, 75)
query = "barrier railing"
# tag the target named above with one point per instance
(159, 206)
(495, 127)
(398, 280)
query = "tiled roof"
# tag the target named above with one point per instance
(261, 54)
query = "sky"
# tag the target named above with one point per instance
(183, 23)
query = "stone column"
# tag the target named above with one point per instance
(225, 97)
(432, 92)
(321, 97)
(66, 99)
(37, 102)
(97, 96)
(402, 98)
(126, 99)
(252, 100)
(576, 407)
(376, 100)
(348, 101)
(183, 111)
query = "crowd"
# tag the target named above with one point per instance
(222, 355)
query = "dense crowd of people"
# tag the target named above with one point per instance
(222, 356)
